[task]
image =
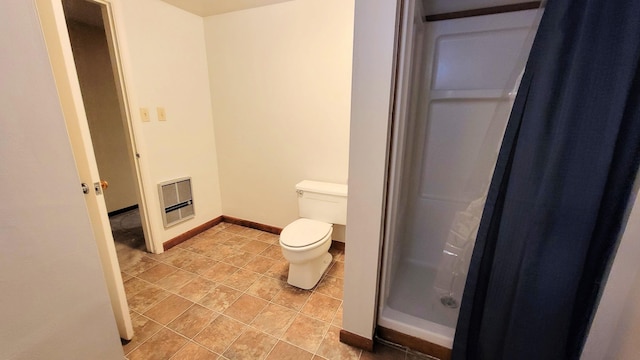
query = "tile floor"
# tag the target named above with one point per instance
(223, 295)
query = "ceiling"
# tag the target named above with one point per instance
(213, 7)
(88, 12)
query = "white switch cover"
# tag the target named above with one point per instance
(162, 115)
(144, 114)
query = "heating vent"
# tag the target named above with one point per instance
(176, 201)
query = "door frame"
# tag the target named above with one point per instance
(53, 23)
(115, 51)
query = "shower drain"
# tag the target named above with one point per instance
(449, 301)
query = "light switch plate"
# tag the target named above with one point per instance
(162, 115)
(144, 114)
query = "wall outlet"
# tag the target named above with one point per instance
(162, 115)
(144, 114)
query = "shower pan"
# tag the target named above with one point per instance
(462, 79)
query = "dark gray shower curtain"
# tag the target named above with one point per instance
(560, 189)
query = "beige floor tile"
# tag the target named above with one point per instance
(337, 319)
(220, 298)
(260, 264)
(266, 288)
(252, 344)
(177, 257)
(125, 276)
(338, 255)
(252, 233)
(240, 259)
(220, 252)
(144, 299)
(243, 231)
(274, 320)
(216, 236)
(241, 279)
(269, 238)
(162, 345)
(321, 307)
(176, 280)
(332, 348)
(135, 285)
(185, 244)
(142, 264)
(285, 351)
(168, 309)
(193, 351)
(219, 272)
(227, 277)
(255, 246)
(245, 308)
(237, 242)
(199, 264)
(196, 289)
(306, 333)
(218, 335)
(157, 273)
(143, 329)
(235, 229)
(192, 321)
(274, 252)
(337, 270)
(279, 271)
(291, 297)
(202, 246)
(331, 286)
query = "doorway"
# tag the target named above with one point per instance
(463, 75)
(103, 102)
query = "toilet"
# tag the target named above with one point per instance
(305, 242)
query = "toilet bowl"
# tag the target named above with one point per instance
(305, 244)
(306, 241)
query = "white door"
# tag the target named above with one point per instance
(55, 31)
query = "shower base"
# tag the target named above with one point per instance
(414, 308)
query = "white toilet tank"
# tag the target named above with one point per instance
(322, 201)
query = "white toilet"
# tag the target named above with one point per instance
(305, 242)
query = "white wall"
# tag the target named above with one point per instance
(165, 64)
(373, 58)
(53, 300)
(100, 97)
(280, 88)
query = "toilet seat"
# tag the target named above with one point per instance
(304, 232)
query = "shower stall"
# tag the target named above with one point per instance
(460, 77)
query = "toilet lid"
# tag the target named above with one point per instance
(304, 232)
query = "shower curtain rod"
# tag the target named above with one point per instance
(484, 11)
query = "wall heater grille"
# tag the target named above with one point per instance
(176, 201)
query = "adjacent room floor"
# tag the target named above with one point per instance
(223, 295)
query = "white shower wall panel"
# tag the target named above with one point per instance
(454, 137)
(475, 60)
